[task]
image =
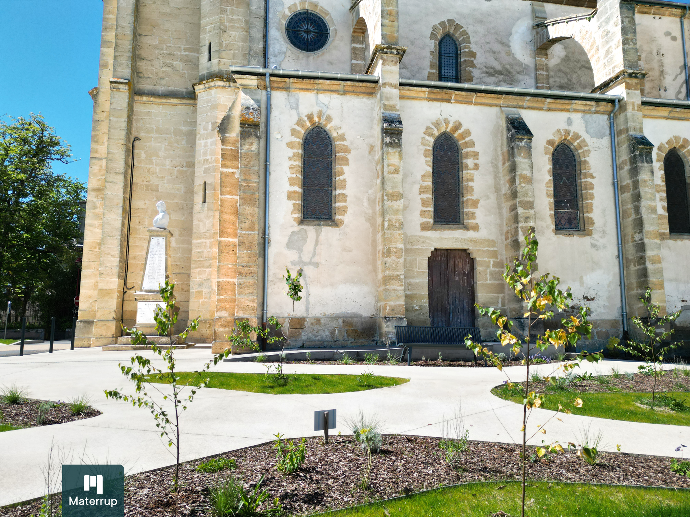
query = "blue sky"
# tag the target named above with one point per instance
(49, 62)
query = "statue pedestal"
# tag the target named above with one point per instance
(155, 272)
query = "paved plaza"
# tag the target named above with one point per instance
(220, 420)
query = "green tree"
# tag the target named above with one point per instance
(540, 296)
(39, 212)
(655, 345)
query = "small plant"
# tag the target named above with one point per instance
(539, 359)
(216, 465)
(290, 455)
(589, 446)
(630, 376)
(370, 440)
(655, 345)
(372, 426)
(229, 498)
(682, 468)
(585, 377)
(261, 358)
(309, 359)
(79, 405)
(440, 357)
(13, 394)
(274, 374)
(615, 373)
(346, 359)
(455, 439)
(366, 378)
(536, 378)
(392, 359)
(563, 383)
(42, 415)
(560, 357)
(294, 286)
(48, 509)
(371, 358)
(666, 401)
(502, 357)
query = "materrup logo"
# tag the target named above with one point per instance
(93, 482)
(93, 491)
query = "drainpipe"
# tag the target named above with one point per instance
(685, 54)
(624, 305)
(264, 313)
(129, 226)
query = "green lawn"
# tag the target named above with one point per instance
(544, 500)
(7, 427)
(616, 406)
(7, 341)
(301, 383)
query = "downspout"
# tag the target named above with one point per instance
(624, 305)
(129, 226)
(264, 312)
(685, 54)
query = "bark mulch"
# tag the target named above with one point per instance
(331, 475)
(25, 413)
(671, 380)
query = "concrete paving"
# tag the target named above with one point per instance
(33, 347)
(220, 420)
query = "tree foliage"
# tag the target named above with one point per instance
(655, 345)
(540, 297)
(39, 212)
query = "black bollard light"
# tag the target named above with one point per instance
(21, 344)
(52, 334)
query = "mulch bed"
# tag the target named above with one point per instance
(427, 362)
(671, 380)
(331, 475)
(25, 414)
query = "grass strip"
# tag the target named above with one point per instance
(616, 406)
(297, 383)
(7, 427)
(543, 500)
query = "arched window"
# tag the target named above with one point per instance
(676, 193)
(448, 68)
(317, 175)
(447, 180)
(566, 195)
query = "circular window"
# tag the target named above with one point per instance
(307, 31)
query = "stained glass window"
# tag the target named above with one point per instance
(566, 202)
(676, 193)
(317, 175)
(307, 31)
(446, 179)
(448, 69)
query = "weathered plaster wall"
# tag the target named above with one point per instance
(335, 57)
(483, 235)
(167, 47)
(338, 261)
(164, 171)
(586, 260)
(675, 250)
(661, 49)
(505, 55)
(569, 67)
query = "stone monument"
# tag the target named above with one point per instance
(155, 271)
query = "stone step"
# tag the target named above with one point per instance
(124, 343)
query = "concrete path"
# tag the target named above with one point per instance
(220, 420)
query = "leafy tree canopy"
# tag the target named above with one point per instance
(39, 212)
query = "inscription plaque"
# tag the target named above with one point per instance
(154, 274)
(145, 312)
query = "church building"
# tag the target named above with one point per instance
(396, 152)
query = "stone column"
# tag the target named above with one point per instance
(390, 240)
(214, 241)
(101, 305)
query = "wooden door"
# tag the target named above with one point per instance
(451, 288)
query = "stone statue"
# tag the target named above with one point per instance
(162, 219)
